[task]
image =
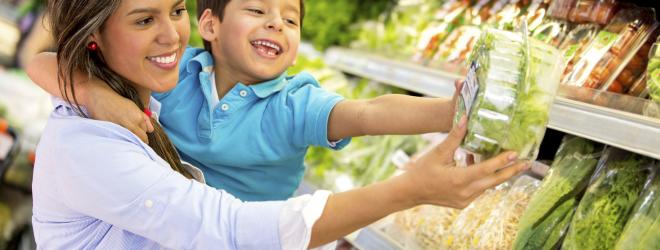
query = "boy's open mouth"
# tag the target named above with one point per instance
(267, 47)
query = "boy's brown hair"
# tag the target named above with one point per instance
(218, 9)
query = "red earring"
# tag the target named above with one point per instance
(92, 46)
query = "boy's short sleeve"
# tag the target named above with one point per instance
(311, 106)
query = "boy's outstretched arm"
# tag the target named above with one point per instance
(390, 114)
(101, 102)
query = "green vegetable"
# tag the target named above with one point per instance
(554, 201)
(604, 210)
(517, 82)
(653, 81)
(643, 229)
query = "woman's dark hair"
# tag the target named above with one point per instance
(72, 23)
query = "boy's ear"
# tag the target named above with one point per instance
(207, 25)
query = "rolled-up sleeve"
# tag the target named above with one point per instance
(114, 180)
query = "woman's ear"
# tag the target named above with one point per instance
(207, 25)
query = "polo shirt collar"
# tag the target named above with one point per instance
(267, 88)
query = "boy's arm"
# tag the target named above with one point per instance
(392, 115)
(101, 101)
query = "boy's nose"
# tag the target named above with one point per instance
(275, 25)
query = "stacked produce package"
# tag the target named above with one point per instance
(508, 93)
(603, 211)
(642, 231)
(551, 209)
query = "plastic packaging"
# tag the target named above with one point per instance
(464, 228)
(458, 45)
(611, 196)
(501, 227)
(581, 11)
(446, 19)
(550, 209)
(535, 14)
(603, 12)
(643, 228)
(508, 93)
(633, 71)
(575, 43)
(433, 223)
(612, 48)
(653, 72)
(552, 31)
(561, 8)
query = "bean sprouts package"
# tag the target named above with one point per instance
(507, 96)
(550, 209)
(464, 228)
(433, 223)
(643, 229)
(607, 203)
(501, 227)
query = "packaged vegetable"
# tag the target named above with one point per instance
(464, 228)
(653, 72)
(550, 208)
(501, 227)
(433, 223)
(612, 48)
(561, 9)
(607, 203)
(552, 31)
(643, 229)
(446, 18)
(508, 93)
(575, 43)
(633, 71)
(535, 14)
(603, 12)
(458, 45)
(581, 11)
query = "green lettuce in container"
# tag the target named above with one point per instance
(507, 96)
(643, 229)
(653, 71)
(544, 221)
(608, 202)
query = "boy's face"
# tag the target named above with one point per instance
(258, 39)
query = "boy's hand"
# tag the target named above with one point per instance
(458, 86)
(106, 105)
(434, 179)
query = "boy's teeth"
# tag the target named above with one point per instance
(164, 59)
(268, 44)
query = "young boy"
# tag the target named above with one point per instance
(238, 117)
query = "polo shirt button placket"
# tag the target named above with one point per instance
(243, 93)
(224, 107)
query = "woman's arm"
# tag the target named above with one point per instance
(432, 179)
(101, 102)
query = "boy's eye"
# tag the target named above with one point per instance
(145, 21)
(256, 11)
(291, 21)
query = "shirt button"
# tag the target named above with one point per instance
(224, 107)
(148, 203)
(243, 93)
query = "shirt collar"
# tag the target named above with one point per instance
(267, 88)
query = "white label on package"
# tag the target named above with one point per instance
(6, 142)
(470, 88)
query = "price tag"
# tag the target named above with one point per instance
(470, 88)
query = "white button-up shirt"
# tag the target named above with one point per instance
(97, 186)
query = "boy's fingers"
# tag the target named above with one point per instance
(148, 126)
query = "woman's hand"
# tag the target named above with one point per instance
(104, 104)
(434, 179)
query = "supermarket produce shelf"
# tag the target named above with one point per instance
(629, 131)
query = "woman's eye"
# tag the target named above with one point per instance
(145, 21)
(179, 12)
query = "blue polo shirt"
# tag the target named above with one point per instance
(252, 142)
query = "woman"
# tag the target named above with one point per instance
(97, 185)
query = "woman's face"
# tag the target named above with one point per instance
(143, 41)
